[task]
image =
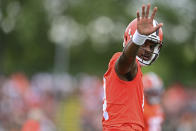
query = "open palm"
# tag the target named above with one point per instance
(145, 23)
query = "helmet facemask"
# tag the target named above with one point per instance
(154, 53)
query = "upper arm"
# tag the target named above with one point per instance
(126, 63)
(124, 69)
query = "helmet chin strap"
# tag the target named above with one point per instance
(143, 62)
(149, 62)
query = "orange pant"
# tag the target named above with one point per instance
(124, 127)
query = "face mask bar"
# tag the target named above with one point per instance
(155, 54)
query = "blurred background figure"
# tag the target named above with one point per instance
(91, 99)
(180, 108)
(153, 111)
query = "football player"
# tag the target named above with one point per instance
(123, 89)
(153, 112)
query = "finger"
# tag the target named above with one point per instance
(143, 11)
(157, 27)
(147, 10)
(153, 13)
(138, 15)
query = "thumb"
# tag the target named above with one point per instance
(157, 27)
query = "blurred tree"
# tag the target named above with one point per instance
(28, 40)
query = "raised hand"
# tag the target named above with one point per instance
(145, 23)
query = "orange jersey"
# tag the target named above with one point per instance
(153, 117)
(123, 100)
(31, 125)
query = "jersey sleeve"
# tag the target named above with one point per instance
(112, 73)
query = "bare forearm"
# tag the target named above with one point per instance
(126, 62)
(130, 52)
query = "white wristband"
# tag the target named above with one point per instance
(139, 39)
